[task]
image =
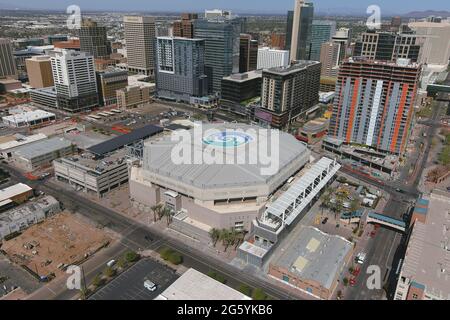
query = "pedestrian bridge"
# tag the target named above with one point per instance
(387, 221)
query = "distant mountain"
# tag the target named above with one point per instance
(424, 14)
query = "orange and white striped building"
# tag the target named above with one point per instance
(374, 103)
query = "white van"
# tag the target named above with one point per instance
(149, 285)
(111, 263)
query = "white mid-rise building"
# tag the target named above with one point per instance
(272, 58)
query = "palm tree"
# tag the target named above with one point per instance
(215, 235)
(167, 212)
(338, 206)
(325, 201)
(156, 209)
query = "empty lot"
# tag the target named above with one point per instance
(61, 239)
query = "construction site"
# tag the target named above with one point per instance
(46, 249)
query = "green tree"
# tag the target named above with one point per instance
(214, 235)
(167, 212)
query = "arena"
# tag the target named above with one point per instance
(204, 193)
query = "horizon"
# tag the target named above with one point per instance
(323, 7)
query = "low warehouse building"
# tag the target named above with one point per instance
(41, 153)
(15, 141)
(29, 118)
(194, 285)
(313, 263)
(15, 194)
(20, 218)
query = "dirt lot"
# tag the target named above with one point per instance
(61, 239)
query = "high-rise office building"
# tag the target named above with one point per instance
(435, 39)
(7, 63)
(288, 92)
(329, 58)
(301, 30)
(221, 49)
(248, 53)
(39, 69)
(93, 39)
(108, 82)
(74, 78)
(387, 46)
(278, 41)
(343, 38)
(185, 27)
(321, 32)
(374, 103)
(140, 38)
(272, 58)
(180, 68)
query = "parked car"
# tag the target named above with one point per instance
(352, 282)
(149, 285)
(324, 220)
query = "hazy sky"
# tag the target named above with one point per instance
(262, 6)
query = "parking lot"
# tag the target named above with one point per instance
(130, 284)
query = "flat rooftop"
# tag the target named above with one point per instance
(14, 190)
(194, 285)
(29, 116)
(316, 256)
(299, 65)
(246, 76)
(427, 258)
(42, 147)
(20, 140)
(87, 162)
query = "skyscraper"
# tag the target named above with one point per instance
(387, 46)
(7, 63)
(221, 48)
(289, 25)
(75, 82)
(140, 37)
(185, 26)
(301, 30)
(180, 68)
(321, 32)
(374, 103)
(39, 69)
(287, 92)
(93, 39)
(329, 57)
(248, 53)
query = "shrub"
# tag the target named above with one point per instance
(131, 256)
(245, 290)
(175, 258)
(109, 272)
(259, 294)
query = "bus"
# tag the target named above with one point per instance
(116, 111)
(94, 117)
